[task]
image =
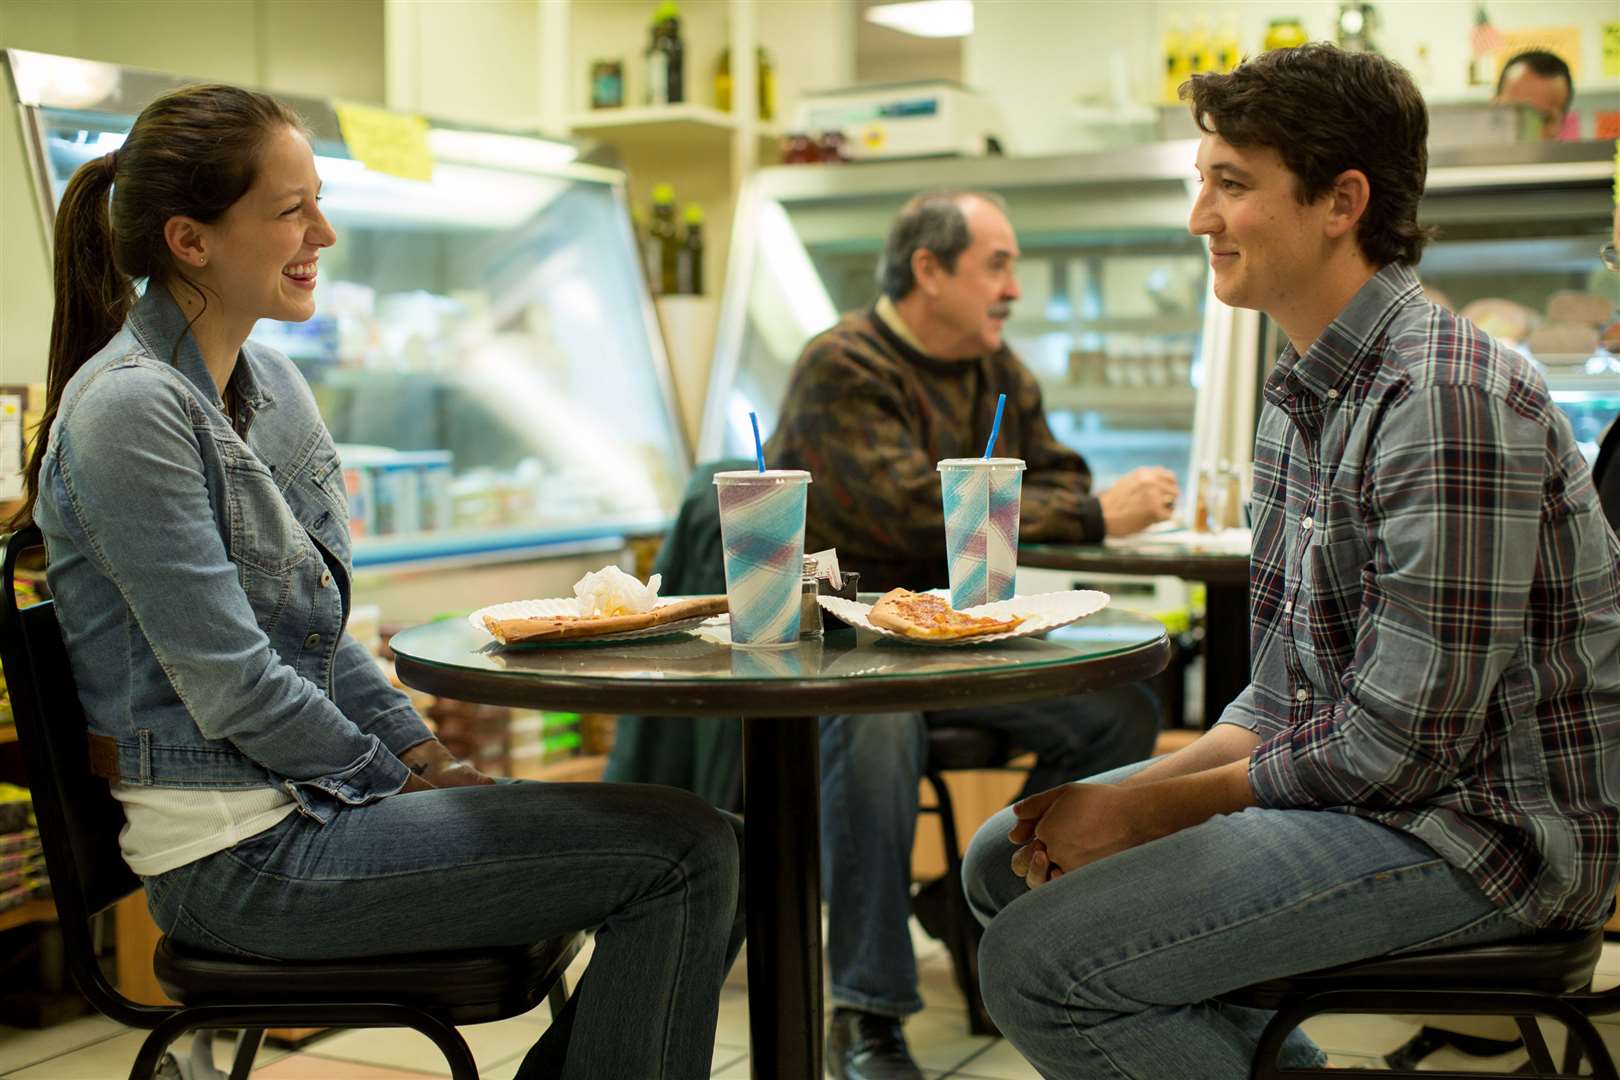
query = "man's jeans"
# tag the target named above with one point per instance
(1110, 971)
(653, 870)
(870, 768)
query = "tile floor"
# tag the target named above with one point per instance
(91, 1048)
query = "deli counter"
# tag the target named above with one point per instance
(1518, 229)
(1110, 321)
(484, 349)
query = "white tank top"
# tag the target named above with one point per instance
(166, 828)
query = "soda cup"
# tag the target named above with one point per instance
(762, 537)
(982, 498)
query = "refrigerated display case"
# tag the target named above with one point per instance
(1111, 318)
(1519, 229)
(484, 349)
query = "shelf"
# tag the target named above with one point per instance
(1179, 323)
(586, 767)
(684, 127)
(29, 911)
(501, 544)
(1145, 399)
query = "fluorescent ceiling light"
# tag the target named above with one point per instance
(926, 18)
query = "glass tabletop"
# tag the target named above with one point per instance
(701, 670)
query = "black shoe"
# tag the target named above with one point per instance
(932, 907)
(866, 1046)
(1428, 1040)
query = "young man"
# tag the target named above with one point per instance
(1429, 751)
(873, 404)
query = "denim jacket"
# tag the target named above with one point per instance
(202, 578)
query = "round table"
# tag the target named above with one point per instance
(1225, 576)
(779, 693)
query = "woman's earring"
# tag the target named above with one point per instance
(203, 261)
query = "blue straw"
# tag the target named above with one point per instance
(995, 428)
(759, 447)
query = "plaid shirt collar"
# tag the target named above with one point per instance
(1347, 342)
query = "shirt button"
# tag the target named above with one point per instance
(1302, 694)
(326, 578)
(1289, 607)
(1333, 395)
(314, 642)
(1306, 523)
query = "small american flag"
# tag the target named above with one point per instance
(1485, 38)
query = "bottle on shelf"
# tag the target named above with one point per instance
(1175, 59)
(607, 84)
(722, 81)
(1285, 33)
(1224, 46)
(662, 243)
(765, 85)
(1200, 56)
(665, 55)
(689, 261)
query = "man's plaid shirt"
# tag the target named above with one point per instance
(1435, 599)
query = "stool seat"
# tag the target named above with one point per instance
(469, 987)
(952, 749)
(1550, 962)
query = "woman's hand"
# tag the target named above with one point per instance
(431, 762)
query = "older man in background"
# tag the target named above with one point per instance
(873, 404)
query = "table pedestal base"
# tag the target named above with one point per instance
(1226, 647)
(782, 859)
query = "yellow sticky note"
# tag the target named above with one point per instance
(1611, 48)
(387, 142)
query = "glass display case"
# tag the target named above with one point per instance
(484, 349)
(1519, 229)
(1110, 320)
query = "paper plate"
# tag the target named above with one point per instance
(567, 605)
(1041, 612)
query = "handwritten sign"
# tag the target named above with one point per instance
(387, 142)
(1610, 32)
(1563, 42)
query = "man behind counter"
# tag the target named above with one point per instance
(1541, 80)
(873, 404)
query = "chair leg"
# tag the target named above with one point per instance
(1540, 1057)
(1523, 1007)
(247, 1048)
(157, 1044)
(450, 1044)
(558, 996)
(963, 942)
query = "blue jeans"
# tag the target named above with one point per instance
(870, 768)
(1110, 971)
(654, 871)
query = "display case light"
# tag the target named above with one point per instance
(521, 152)
(925, 18)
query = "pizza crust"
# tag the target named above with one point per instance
(931, 618)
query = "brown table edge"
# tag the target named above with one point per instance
(787, 697)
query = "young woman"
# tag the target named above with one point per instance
(282, 799)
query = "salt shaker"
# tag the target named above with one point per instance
(809, 610)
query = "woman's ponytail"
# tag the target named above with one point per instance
(92, 298)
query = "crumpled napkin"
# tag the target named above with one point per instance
(611, 591)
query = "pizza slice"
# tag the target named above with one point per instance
(931, 618)
(579, 627)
